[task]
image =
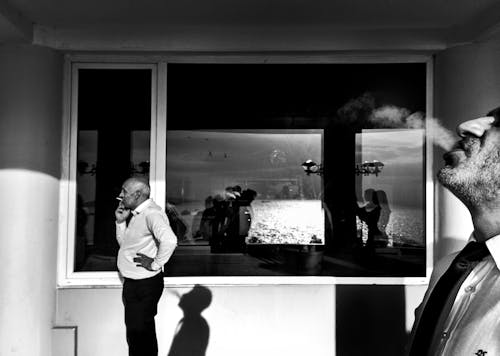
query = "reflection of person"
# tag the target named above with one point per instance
(177, 224)
(219, 223)
(370, 214)
(202, 223)
(246, 211)
(192, 333)
(81, 233)
(385, 215)
(246, 215)
(463, 317)
(146, 244)
(207, 219)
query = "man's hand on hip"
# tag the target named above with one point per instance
(144, 261)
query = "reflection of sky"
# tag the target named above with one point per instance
(394, 147)
(240, 152)
(402, 152)
(210, 160)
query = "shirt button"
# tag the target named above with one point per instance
(445, 335)
(470, 289)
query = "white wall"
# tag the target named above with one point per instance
(245, 321)
(30, 134)
(467, 85)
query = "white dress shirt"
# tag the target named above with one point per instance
(473, 325)
(149, 233)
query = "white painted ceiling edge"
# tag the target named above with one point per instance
(248, 25)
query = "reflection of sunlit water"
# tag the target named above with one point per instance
(406, 226)
(296, 221)
(287, 221)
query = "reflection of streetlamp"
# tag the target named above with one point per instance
(311, 167)
(366, 168)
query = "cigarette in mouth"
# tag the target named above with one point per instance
(118, 198)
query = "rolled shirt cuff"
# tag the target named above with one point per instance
(155, 266)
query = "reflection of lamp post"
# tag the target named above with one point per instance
(311, 167)
(366, 168)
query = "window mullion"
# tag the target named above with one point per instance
(158, 135)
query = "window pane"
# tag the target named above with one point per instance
(114, 121)
(333, 161)
(394, 213)
(237, 188)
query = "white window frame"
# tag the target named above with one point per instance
(67, 278)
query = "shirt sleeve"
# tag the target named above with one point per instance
(120, 232)
(159, 226)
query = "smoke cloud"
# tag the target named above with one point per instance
(390, 116)
(395, 117)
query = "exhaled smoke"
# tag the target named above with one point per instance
(396, 117)
(389, 117)
(363, 107)
(440, 135)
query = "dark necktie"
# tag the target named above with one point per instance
(129, 217)
(441, 300)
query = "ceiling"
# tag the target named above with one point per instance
(247, 24)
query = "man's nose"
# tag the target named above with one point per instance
(476, 127)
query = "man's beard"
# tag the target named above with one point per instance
(476, 182)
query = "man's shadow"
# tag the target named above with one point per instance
(192, 332)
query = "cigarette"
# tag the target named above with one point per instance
(118, 198)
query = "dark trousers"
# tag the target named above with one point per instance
(140, 298)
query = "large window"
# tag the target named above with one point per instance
(296, 169)
(113, 110)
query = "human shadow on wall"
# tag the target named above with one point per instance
(192, 332)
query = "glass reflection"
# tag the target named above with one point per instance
(114, 119)
(232, 189)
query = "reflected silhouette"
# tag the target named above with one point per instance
(204, 228)
(227, 218)
(385, 215)
(176, 221)
(81, 233)
(192, 332)
(370, 214)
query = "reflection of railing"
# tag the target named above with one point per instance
(366, 168)
(141, 168)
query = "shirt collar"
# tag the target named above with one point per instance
(493, 245)
(141, 207)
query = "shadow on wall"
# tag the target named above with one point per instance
(370, 320)
(192, 332)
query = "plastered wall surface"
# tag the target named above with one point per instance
(30, 134)
(245, 320)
